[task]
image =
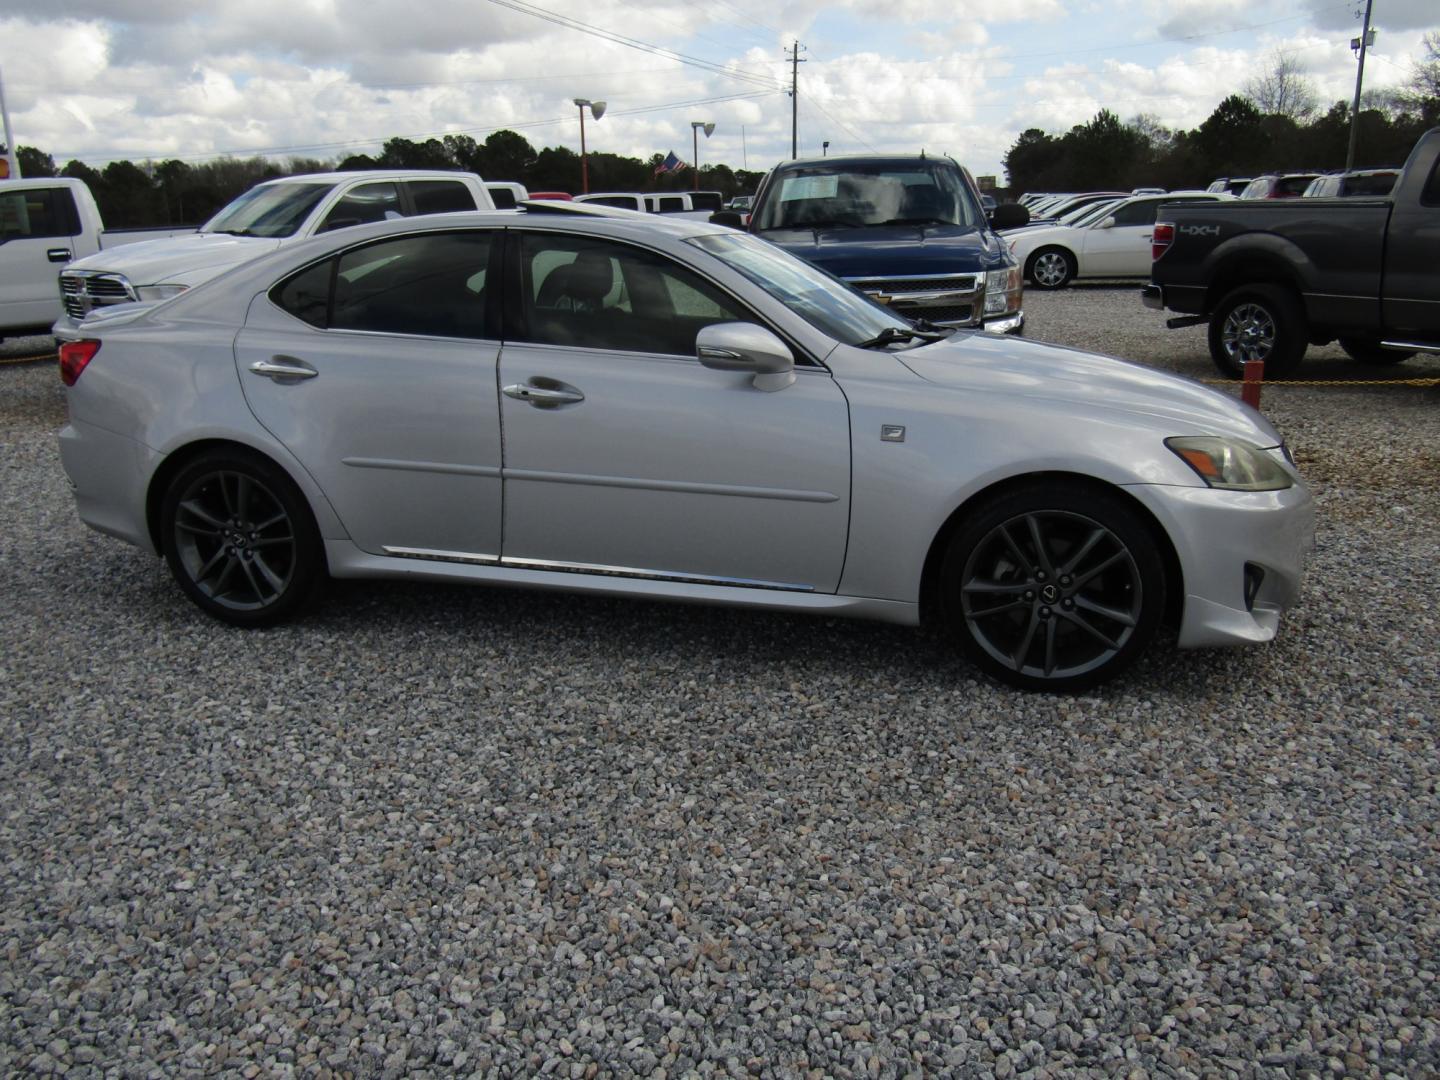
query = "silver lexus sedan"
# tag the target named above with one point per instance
(631, 406)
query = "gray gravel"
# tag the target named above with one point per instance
(432, 830)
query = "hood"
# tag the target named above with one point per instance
(892, 250)
(992, 363)
(177, 260)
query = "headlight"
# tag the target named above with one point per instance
(1230, 464)
(159, 292)
(1002, 290)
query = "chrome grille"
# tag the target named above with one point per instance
(954, 283)
(952, 299)
(81, 291)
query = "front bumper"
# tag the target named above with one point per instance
(1242, 557)
(1013, 323)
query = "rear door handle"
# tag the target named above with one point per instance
(536, 392)
(60, 255)
(284, 369)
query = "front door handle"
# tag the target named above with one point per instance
(544, 393)
(60, 255)
(283, 369)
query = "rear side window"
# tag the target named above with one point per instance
(440, 196)
(669, 204)
(364, 204)
(1140, 213)
(502, 197)
(706, 200)
(432, 285)
(37, 212)
(1431, 195)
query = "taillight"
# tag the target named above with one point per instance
(74, 356)
(1161, 239)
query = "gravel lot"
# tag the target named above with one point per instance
(432, 830)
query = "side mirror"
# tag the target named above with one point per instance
(738, 346)
(1009, 216)
(1108, 223)
(727, 217)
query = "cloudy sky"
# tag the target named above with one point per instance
(104, 79)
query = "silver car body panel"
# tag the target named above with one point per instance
(669, 480)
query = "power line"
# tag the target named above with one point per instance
(633, 43)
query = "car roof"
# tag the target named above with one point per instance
(871, 160)
(368, 174)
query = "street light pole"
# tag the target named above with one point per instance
(695, 126)
(597, 110)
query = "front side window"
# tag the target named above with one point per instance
(363, 205)
(35, 212)
(440, 196)
(588, 293)
(431, 285)
(825, 302)
(270, 210)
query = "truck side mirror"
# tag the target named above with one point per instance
(1009, 216)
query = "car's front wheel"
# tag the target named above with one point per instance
(240, 539)
(1258, 322)
(1051, 268)
(1053, 587)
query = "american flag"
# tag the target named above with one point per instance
(670, 164)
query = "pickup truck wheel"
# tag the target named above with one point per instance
(1258, 322)
(1050, 587)
(1051, 268)
(1370, 352)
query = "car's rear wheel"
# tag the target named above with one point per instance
(240, 539)
(1368, 351)
(1051, 268)
(1052, 587)
(1258, 322)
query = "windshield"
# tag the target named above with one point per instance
(883, 193)
(825, 302)
(268, 210)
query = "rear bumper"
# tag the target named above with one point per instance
(108, 474)
(1153, 296)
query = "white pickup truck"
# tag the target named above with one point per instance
(267, 216)
(46, 222)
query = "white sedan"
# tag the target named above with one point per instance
(603, 403)
(1116, 244)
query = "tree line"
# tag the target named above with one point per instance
(1274, 125)
(174, 192)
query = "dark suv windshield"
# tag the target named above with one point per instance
(269, 210)
(882, 193)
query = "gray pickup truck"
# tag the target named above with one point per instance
(1274, 277)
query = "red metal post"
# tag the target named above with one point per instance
(1254, 379)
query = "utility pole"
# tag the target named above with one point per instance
(795, 63)
(1364, 41)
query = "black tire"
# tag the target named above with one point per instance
(1051, 268)
(1053, 587)
(1368, 351)
(240, 538)
(1258, 322)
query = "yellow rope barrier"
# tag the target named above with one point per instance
(26, 359)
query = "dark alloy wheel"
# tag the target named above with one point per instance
(1051, 268)
(1049, 588)
(1368, 351)
(239, 538)
(1258, 322)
